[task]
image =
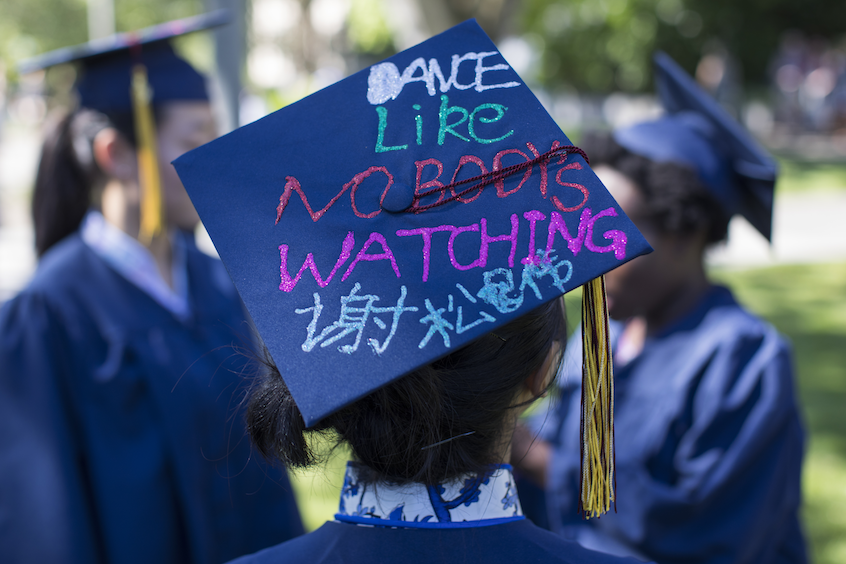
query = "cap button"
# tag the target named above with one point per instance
(399, 198)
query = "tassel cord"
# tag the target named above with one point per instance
(597, 423)
(152, 209)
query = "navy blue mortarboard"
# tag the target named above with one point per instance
(378, 224)
(318, 212)
(106, 65)
(699, 133)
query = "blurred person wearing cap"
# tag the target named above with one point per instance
(710, 438)
(402, 240)
(121, 438)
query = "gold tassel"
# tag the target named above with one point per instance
(597, 489)
(152, 211)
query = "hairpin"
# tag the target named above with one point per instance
(447, 440)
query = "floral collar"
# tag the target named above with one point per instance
(473, 501)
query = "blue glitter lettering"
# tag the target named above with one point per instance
(353, 319)
(438, 325)
(495, 293)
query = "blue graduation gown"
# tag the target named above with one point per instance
(509, 543)
(709, 445)
(120, 437)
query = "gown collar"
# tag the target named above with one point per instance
(471, 501)
(134, 262)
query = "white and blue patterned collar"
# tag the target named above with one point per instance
(134, 262)
(474, 501)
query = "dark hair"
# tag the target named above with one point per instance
(397, 431)
(68, 173)
(677, 201)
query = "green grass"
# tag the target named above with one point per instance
(797, 176)
(318, 489)
(807, 303)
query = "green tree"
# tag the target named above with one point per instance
(32, 27)
(604, 45)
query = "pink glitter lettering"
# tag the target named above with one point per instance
(533, 217)
(288, 283)
(557, 225)
(426, 232)
(487, 240)
(386, 254)
(455, 232)
(585, 234)
(617, 237)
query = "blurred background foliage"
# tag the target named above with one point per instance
(31, 27)
(767, 61)
(596, 45)
(604, 45)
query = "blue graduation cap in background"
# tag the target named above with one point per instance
(132, 73)
(391, 218)
(105, 65)
(699, 133)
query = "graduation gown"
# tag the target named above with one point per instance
(120, 436)
(474, 520)
(709, 445)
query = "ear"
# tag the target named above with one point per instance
(539, 382)
(114, 155)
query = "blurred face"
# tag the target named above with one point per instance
(642, 286)
(183, 126)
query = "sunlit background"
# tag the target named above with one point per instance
(779, 66)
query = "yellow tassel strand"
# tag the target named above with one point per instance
(597, 476)
(152, 211)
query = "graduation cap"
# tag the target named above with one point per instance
(699, 133)
(399, 214)
(132, 72)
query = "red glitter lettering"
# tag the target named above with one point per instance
(497, 165)
(461, 162)
(434, 183)
(293, 185)
(572, 166)
(543, 164)
(356, 182)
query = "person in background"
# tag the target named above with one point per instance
(418, 362)
(121, 438)
(709, 437)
